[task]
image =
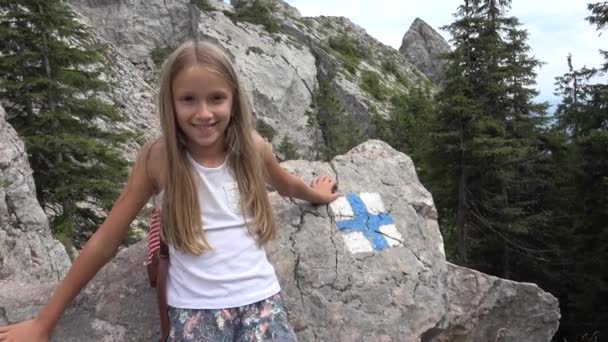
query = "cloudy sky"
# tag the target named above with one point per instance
(556, 27)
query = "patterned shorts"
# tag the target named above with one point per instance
(265, 320)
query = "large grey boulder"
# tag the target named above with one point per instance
(118, 304)
(337, 287)
(487, 308)
(422, 45)
(28, 252)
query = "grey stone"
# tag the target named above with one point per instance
(28, 252)
(279, 74)
(280, 70)
(404, 293)
(357, 103)
(486, 308)
(422, 45)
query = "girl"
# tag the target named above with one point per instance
(208, 172)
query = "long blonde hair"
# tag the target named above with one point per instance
(181, 214)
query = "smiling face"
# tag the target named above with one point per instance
(202, 101)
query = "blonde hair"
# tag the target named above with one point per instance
(181, 215)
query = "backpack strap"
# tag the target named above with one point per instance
(157, 262)
(161, 290)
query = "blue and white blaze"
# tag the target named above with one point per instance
(364, 223)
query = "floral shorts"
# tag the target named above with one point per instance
(265, 320)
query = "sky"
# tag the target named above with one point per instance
(555, 27)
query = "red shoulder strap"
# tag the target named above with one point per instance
(161, 290)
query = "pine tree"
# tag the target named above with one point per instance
(51, 83)
(287, 149)
(340, 132)
(508, 149)
(409, 121)
(582, 126)
(486, 147)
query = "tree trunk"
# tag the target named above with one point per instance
(461, 215)
(47, 63)
(506, 269)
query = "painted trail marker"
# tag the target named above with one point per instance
(364, 223)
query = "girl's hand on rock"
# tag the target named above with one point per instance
(27, 331)
(326, 187)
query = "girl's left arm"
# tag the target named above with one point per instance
(322, 190)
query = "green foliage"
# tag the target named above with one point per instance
(487, 136)
(53, 88)
(516, 197)
(340, 132)
(407, 128)
(581, 174)
(159, 54)
(257, 12)
(265, 130)
(311, 122)
(349, 52)
(288, 149)
(203, 5)
(391, 68)
(370, 82)
(254, 49)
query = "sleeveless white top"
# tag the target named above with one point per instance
(236, 272)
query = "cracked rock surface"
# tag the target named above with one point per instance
(28, 252)
(404, 293)
(394, 295)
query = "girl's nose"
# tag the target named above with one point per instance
(204, 111)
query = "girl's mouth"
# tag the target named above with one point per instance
(206, 125)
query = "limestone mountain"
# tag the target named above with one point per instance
(282, 58)
(422, 45)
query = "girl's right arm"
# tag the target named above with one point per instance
(100, 249)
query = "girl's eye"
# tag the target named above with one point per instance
(218, 97)
(187, 98)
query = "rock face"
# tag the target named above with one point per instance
(369, 267)
(486, 308)
(336, 42)
(28, 253)
(136, 27)
(278, 72)
(422, 45)
(280, 69)
(133, 97)
(337, 295)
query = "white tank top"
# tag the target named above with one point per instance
(236, 272)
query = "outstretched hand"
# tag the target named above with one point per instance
(326, 187)
(28, 331)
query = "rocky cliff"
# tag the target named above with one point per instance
(281, 64)
(28, 252)
(422, 45)
(368, 267)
